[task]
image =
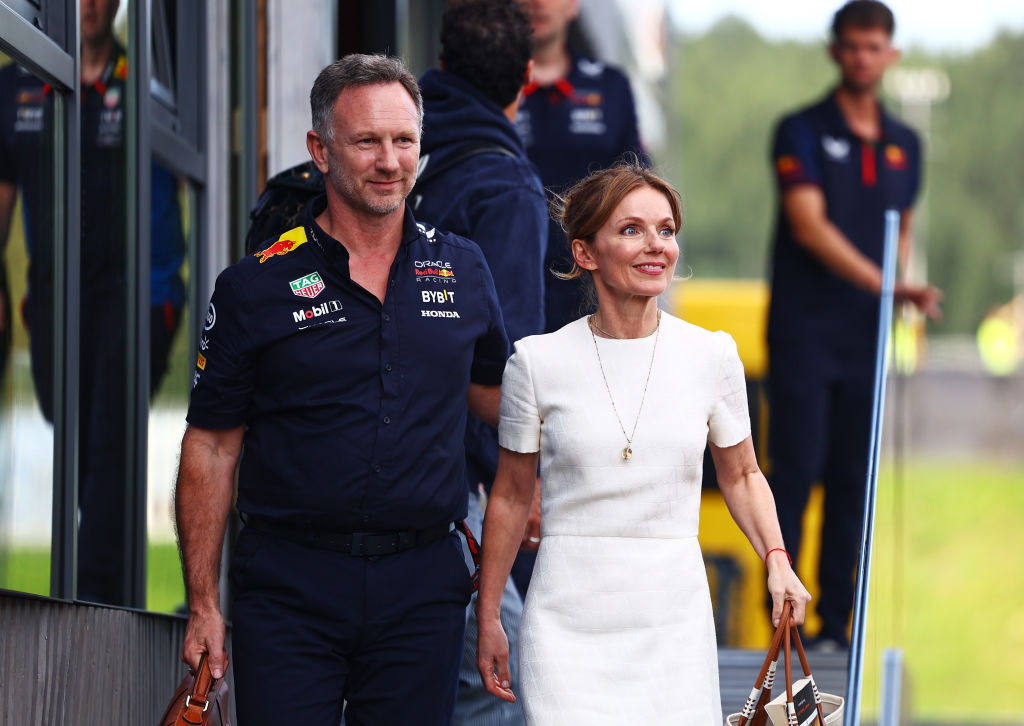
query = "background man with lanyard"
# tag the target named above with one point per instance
(495, 198)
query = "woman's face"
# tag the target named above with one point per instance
(635, 252)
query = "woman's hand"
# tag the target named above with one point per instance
(783, 584)
(492, 658)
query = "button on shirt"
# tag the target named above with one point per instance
(860, 181)
(354, 409)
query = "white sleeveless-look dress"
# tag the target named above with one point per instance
(618, 627)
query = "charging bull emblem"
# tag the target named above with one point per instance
(285, 244)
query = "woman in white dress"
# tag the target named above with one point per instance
(618, 407)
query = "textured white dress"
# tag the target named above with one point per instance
(618, 627)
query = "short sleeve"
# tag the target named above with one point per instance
(223, 382)
(519, 428)
(729, 422)
(794, 160)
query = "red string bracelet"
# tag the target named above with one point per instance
(777, 549)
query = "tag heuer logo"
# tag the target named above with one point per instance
(308, 286)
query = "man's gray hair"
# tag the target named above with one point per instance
(357, 69)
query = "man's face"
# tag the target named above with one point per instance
(376, 148)
(551, 18)
(863, 54)
(97, 19)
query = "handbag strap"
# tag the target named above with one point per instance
(761, 693)
(198, 701)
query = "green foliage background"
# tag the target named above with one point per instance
(729, 87)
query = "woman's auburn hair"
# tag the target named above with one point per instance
(588, 205)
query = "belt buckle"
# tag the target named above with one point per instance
(358, 547)
(373, 544)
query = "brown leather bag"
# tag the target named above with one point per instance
(200, 700)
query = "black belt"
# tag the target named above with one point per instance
(357, 544)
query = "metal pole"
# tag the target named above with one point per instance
(860, 606)
(891, 709)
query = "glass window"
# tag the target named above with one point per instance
(103, 305)
(171, 370)
(26, 328)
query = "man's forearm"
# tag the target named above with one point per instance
(202, 501)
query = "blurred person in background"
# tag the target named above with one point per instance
(26, 118)
(577, 115)
(839, 165)
(618, 407)
(487, 190)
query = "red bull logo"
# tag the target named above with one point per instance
(285, 244)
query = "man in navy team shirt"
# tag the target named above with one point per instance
(337, 363)
(840, 164)
(577, 116)
(495, 198)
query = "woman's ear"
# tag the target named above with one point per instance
(583, 255)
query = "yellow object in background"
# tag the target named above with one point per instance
(736, 574)
(999, 345)
(739, 307)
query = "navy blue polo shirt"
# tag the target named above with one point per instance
(354, 409)
(860, 181)
(582, 123)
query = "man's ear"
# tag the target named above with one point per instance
(583, 255)
(317, 150)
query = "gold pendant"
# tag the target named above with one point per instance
(627, 453)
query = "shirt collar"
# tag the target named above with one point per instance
(885, 121)
(563, 85)
(334, 250)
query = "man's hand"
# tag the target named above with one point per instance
(925, 298)
(205, 633)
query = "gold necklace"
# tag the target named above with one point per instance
(627, 452)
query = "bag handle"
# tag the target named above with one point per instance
(754, 713)
(198, 700)
(792, 632)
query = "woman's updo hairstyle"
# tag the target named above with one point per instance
(586, 207)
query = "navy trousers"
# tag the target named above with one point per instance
(819, 430)
(314, 630)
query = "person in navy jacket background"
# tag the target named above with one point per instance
(491, 193)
